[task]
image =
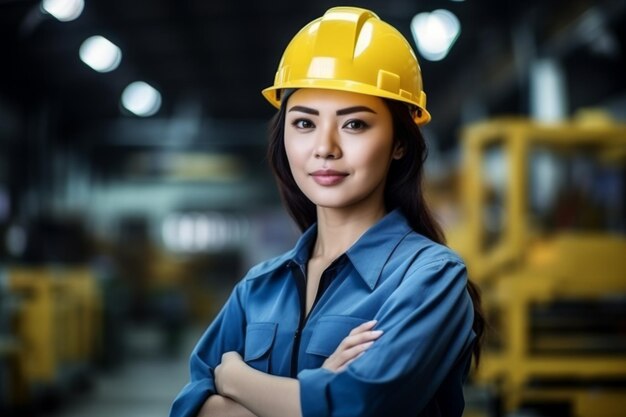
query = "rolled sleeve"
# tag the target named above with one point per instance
(313, 383)
(427, 324)
(226, 333)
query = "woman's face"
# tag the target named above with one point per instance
(339, 146)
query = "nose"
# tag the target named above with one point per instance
(327, 146)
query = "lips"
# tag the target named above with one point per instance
(328, 176)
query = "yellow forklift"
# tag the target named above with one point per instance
(543, 231)
(54, 335)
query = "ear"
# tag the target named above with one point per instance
(398, 151)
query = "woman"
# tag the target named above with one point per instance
(370, 314)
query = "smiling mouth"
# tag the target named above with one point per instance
(328, 177)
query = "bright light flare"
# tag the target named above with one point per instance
(435, 33)
(63, 10)
(141, 99)
(100, 54)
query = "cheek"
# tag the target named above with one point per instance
(295, 156)
(376, 158)
(293, 145)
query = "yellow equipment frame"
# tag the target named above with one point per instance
(526, 268)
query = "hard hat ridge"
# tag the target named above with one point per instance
(352, 49)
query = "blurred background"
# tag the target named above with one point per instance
(134, 190)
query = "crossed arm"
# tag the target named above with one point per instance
(247, 392)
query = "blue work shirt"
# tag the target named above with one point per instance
(414, 287)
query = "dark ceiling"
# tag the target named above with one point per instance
(210, 59)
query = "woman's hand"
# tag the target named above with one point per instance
(225, 372)
(352, 346)
(218, 406)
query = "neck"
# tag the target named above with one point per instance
(337, 229)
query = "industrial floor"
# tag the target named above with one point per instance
(143, 387)
(147, 382)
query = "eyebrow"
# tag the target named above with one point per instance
(340, 112)
(303, 109)
(355, 109)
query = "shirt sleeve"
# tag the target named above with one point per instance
(225, 334)
(427, 324)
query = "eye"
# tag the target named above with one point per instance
(355, 124)
(302, 124)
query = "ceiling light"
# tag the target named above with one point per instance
(63, 10)
(435, 33)
(141, 99)
(100, 54)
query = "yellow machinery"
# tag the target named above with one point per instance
(544, 235)
(56, 327)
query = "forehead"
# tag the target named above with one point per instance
(314, 97)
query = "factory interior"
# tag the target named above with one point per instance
(135, 190)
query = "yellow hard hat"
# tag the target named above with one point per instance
(351, 49)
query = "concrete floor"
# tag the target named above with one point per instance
(143, 387)
(149, 380)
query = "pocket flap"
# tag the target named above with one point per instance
(259, 339)
(329, 332)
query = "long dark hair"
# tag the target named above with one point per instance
(403, 189)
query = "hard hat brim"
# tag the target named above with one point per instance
(273, 94)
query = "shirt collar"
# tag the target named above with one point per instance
(299, 255)
(372, 250)
(302, 251)
(368, 254)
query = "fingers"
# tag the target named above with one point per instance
(231, 356)
(363, 327)
(345, 365)
(343, 357)
(360, 335)
(359, 339)
(354, 351)
(353, 346)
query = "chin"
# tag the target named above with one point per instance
(328, 197)
(332, 204)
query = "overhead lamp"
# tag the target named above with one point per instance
(435, 33)
(63, 10)
(141, 98)
(100, 54)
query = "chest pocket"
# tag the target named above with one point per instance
(259, 341)
(329, 332)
